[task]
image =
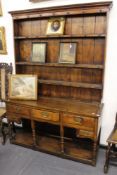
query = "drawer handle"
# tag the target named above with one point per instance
(44, 114)
(78, 120)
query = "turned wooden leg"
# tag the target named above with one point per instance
(10, 130)
(33, 132)
(107, 158)
(13, 127)
(62, 136)
(94, 153)
(3, 134)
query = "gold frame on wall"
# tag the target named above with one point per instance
(3, 49)
(55, 26)
(0, 8)
(23, 87)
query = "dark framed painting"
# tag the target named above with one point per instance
(39, 52)
(2, 41)
(67, 53)
(55, 26)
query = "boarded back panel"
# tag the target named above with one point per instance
(89, 25)
(88, 51)
(99, 51)
(100, 26)
(25, 28)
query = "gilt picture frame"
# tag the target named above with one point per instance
(67, 53)
(39, 52)
(3, 49)
(55, 26)
(0, 9)
(23, 87)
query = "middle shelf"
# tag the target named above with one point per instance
(72, 84)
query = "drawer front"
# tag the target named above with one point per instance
(45, 115)
(18, 110)
(84, 133)
(14, 117)
(77, 121)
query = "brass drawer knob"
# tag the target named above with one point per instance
(78, 120)
(44, 114)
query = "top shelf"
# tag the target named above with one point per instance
(61, 36)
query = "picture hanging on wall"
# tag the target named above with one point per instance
(0, 8)
(2, 41)
(55, 26)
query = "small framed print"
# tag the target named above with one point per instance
(38, 52)
(67, 52)
(2, 41)
(23, 87)
(55, 26)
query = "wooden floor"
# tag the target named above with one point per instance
(16, 160)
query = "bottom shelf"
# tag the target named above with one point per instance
(48, 144)
(23, 138)
(78, 150)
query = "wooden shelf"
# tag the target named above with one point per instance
(79, 150)
(90, 66)
(49, 144)
(23, 138)
(72, 84)
(61, 36)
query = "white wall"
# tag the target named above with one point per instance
(110, 80)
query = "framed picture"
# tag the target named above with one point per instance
(55, 26)
(0, 8)
(67, 52)
(38, 52)
(2, 41)
(23, 87)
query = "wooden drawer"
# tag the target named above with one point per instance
(19, 110)
(77, 121)
(85, 134)
(14, 117)
(45, 115)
